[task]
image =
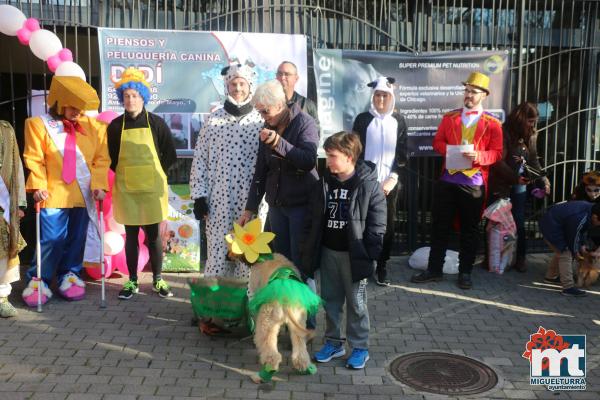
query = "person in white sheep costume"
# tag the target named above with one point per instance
(223, 165)
(383, 134)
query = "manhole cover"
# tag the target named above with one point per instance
(443, 373)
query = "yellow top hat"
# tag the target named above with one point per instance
(479, 80)
(132, 74)
(74, 92)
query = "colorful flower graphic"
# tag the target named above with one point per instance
(545, 339)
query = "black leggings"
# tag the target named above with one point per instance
(390, 229)
(132, 249)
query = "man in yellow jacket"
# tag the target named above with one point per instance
(68, 160)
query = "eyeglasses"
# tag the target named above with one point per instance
(264, 111)
(472, 91)
(285, 74)
(592, 190)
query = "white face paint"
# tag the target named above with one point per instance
(592, 191)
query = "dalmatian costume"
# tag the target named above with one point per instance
(222, 169)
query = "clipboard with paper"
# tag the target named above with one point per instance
(455, 159)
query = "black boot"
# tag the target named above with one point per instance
(464, 280)
(381, 274)
(426, 276)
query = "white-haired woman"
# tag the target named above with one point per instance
(285, 168)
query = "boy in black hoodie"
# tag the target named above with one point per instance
(343, 237)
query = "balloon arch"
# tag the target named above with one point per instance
(46, 46)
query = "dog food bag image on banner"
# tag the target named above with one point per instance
(180, 233)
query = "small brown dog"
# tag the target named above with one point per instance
(277, 296)
(272, 315)
(589, 269)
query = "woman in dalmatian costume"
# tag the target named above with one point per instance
(223, 165)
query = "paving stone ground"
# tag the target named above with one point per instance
(146, 348)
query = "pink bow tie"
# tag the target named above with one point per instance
(69, 157)
(471, 113)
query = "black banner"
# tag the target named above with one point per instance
(427, 86)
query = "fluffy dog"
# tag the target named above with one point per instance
(589, 269)
(273, 308)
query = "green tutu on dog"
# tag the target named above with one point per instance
(286, 287)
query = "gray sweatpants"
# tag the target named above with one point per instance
(337, 288)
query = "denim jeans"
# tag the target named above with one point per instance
(286, 224)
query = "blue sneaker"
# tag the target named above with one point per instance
(357, 359)
(329, 351)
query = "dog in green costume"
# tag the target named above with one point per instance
(278, 297)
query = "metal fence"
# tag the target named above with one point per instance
(554, 47)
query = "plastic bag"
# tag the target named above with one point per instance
(501, 234)
(502, 247)
(420, 258)
(500, 212)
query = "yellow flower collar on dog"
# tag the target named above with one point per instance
(250, 241)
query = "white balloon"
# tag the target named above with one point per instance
(44, 44)
(115, 226)
(113, 243)
(11, 19)
(69, 68)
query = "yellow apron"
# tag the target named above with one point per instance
(140, 192)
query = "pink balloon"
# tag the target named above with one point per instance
(107, 117)
(24, 35)
(108, 212)
(115, 226)
(65, 55)
(95, 273)
(31, 24)
(142, 236)
(143, 257)
(53, 63)
(120, 263)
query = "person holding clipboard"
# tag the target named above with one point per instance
(470, 140)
